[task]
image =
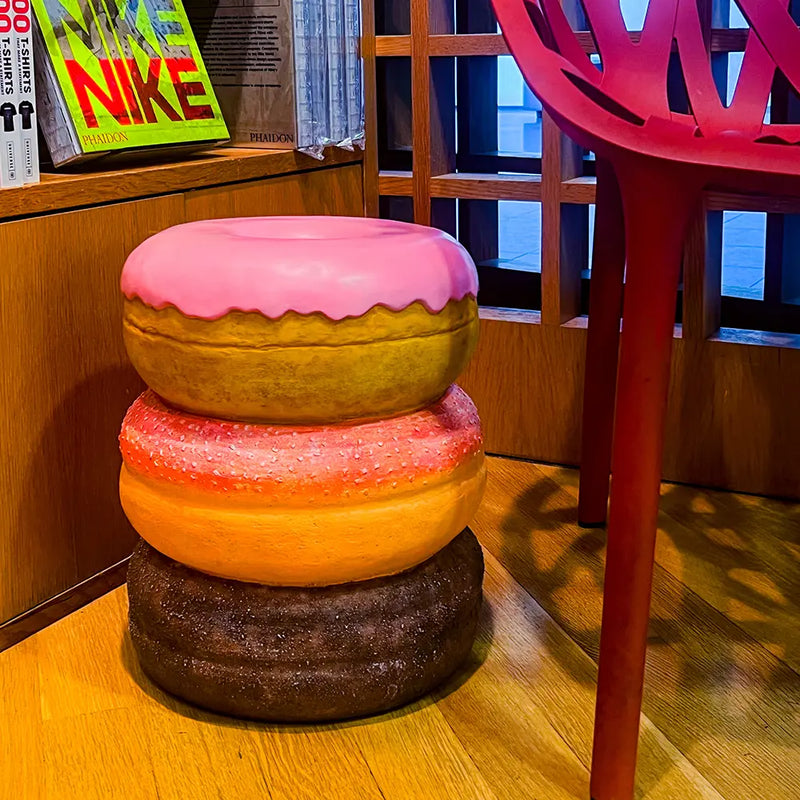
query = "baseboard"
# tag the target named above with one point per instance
(50, 611)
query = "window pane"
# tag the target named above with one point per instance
(744, 235)
(519, 113)
(634, 12)
(520, 229)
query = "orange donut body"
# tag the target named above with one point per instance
(301, 506)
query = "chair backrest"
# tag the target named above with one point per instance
(623, 102)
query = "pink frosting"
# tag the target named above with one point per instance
(340, 266)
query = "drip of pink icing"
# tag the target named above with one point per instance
(339, 266)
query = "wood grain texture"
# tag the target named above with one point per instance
(493, 44)
(222, 165)
(65, 387)
(53, 609)
(579, 191)
(465, 185)
(728, 424)
(561, 269)
(81, 720)
(395, 183)
(582, 190)
(702, 274)
(67, 380)
(421, 111)
(371, 195)
(480, 186)
(326, 191)
(714, 690)
(394, 45)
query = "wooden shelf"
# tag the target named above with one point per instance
(580, 191)
(462, 44)
(727, 201)
(394, 183)
(466, 185)
(59, 191)
(392, 46)
(468, 44)
(493, 44)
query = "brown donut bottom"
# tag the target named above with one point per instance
(304, 655)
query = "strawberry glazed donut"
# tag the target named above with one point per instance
(301, 506)
(300, 320)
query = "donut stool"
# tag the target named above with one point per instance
(300, 655)
(303, 468)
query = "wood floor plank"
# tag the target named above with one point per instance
(78, 662)
(99, 756)
(413, 753)
(558, 678)
(741, 554)
(21, 746)
(78, 719)
(498, 711)
(724, 701)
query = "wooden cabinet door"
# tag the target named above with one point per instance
(66, 383)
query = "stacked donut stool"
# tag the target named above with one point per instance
(302, 468)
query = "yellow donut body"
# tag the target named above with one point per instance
(301, 369)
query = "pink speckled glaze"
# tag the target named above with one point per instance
(323, 464)
(339, 266)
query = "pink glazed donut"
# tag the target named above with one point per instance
(300, 319)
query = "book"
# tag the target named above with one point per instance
(11, 173)
(115, 76)
(282, 69)
(26, 90)
(252, 50)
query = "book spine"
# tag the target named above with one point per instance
(11, 171)
(311, 74)
(26, 90)
(302, 76)
(337, 78)
(354, 70)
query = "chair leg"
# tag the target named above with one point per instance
(657, 207)
(602, 346)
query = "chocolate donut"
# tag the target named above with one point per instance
(304, 654)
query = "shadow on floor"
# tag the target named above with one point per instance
(723, 664)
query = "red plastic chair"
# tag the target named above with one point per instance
(653, 164)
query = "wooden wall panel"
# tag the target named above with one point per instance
(527, 380)
(66, 378)
(731, 423)
(337, 190)
(66, 383)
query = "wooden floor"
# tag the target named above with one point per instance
(78, 720)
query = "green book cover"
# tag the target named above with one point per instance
(130, 73)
